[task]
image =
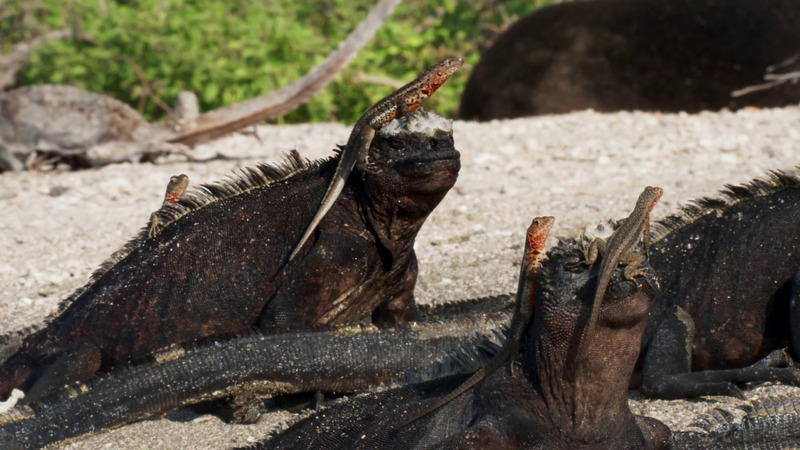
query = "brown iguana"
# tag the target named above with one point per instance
(213, 268)
(64, 122)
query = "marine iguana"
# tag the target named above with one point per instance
(213, 270)
(344, 360)
(530, 402)
(397, 104)
(728, 268)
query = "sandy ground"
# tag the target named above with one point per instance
(57, 227)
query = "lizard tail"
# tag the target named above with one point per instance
(357, 146)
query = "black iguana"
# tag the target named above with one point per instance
(214, 267)
(728, 269)
(348, 359)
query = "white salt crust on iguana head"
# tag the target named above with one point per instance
(418, 122)
(602, 230)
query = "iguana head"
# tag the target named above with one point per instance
(590, 402)
(413, 163)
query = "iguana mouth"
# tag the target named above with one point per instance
(424, 164)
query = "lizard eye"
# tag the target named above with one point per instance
(433, 143)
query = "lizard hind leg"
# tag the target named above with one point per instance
(77, 363)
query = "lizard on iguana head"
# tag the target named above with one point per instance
(532, 256)
(399, 103)
(619, 249)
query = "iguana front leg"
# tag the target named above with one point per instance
(667, 371)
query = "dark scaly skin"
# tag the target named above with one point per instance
(770, 422)
(541, 399)
(728, 268)
(399, 103)
(211, 271)
(339, 361)
(533, 253)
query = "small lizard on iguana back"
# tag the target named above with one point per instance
(633, 229)
(175, 189)
(397, 104)
(533, 253)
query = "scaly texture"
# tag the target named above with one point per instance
(533, 253)
(771, 422)
(528, 403)
(341, 361)
(212, 270)
(728, 268)
(619, 248)
(399, 103)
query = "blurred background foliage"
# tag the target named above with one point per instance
(144, 52)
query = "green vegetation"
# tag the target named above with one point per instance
(144, 52)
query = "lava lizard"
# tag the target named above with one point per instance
(400, 103)
(627, 234)
(523, 310)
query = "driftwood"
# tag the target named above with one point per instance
(772, 78)
(40, 125)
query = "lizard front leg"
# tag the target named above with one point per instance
(592, 250)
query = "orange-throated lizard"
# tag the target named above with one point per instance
(175, 189)
(523, 310)
(618, 249)
(398, 104)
